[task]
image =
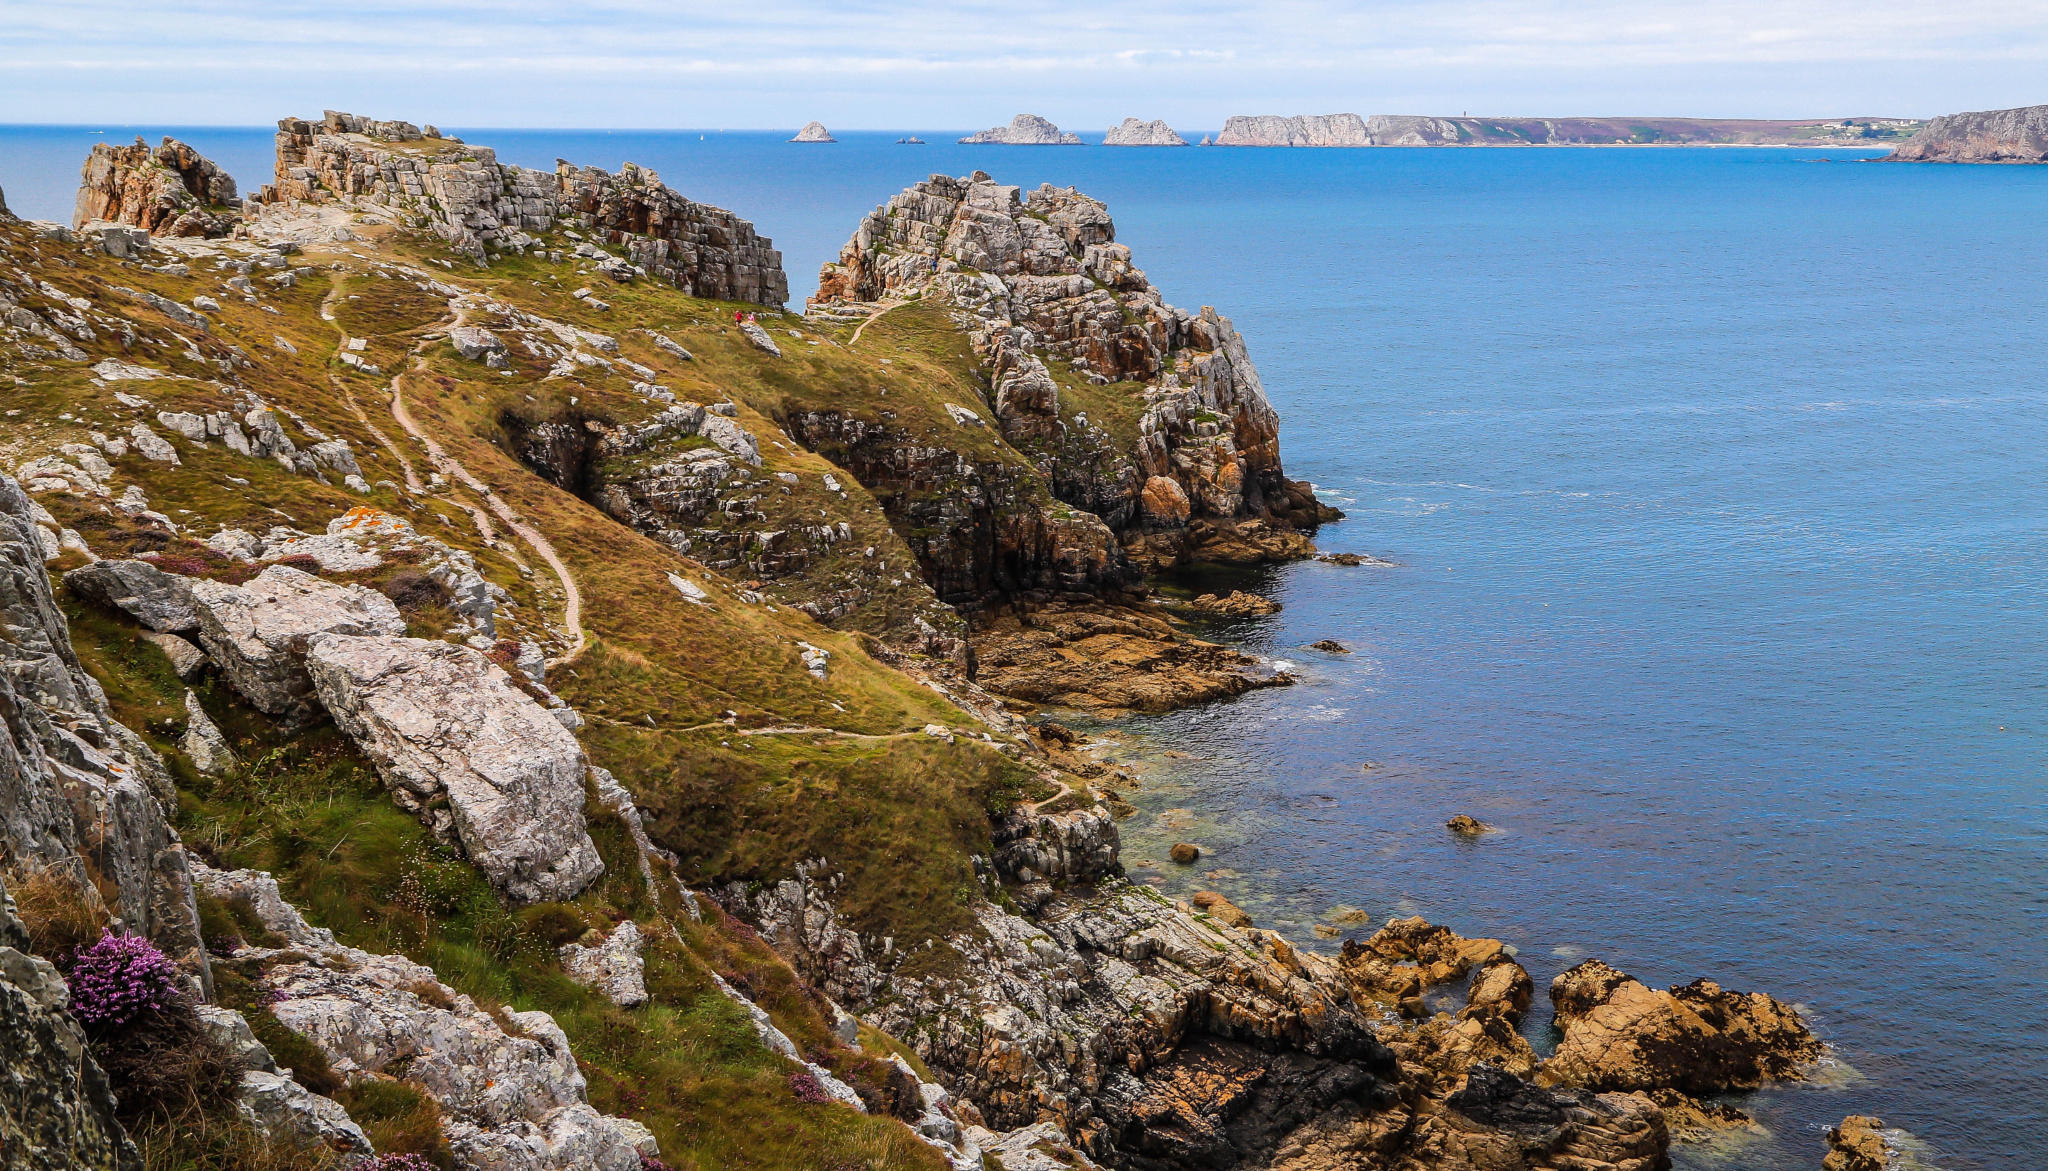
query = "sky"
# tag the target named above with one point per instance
(965, 64)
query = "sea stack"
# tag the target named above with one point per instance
(1024, 130)
(1132, 132)
(1988, 136)
(814, 132)
(1299, 130)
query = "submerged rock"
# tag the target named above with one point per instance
(457, 743)
(1466, 826)
(1236, 604)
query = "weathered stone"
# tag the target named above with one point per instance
(474, 342)
(1698, 1038)
(1299, 130)
(614, 966)
(1135, 132)
(1024, 130)
(1236, 604)
(56, 1109)
(81, 795)
(1467, 826)
(203, 741)
(814, 132)
(172, 190)
(1185, 853)
(257, 633)
(475, 757)
(288, 1112)
(187, 660)
(161, 601)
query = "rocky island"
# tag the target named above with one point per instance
(1023, 130)
(1134, 132)
(486, 687)
(1413, 130)
(814, 132)
(1992, 136)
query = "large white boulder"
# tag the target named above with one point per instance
(477, 758)
(257, 633)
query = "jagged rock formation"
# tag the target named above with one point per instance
(55, 1108)
(257, 633)
(1299, 130)
(172, 190)
(483, 763)
(80, 794)
(480, 206)
(1024, 130)
(1133, 132)
(814, 132)
(1990, 136)
(1040, 282)
(510, 1091)
(612, 965)
(1697, 1039)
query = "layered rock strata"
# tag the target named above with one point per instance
(1024, 130)
(481, 206)
(1990, 136)
(171, 190)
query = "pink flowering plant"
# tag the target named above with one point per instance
(121, 979)
(407, 1162)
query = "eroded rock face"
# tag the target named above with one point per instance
(257, 633)
(1299, 130)
(79, 793)
(1990, 136)
(158, 600)
(483, 763)
(510, 1092)
(56, 1110)
(481, 206)
(1024, 130)
(171, 190)
(1136, 132)
(1697, 1038)
(1042, 281)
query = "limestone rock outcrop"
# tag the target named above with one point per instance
(1988, 136)
(257, 633)
(1299, 130)
(81, 795)
(1041, 281)
(161, 601)
(484, 764)
(509, 1090)
(1134, 132)
(613, 965)
(1696, 1038)
(1024, 130)
(171, 190)
(814, 132)
(56, 1109)
(481, 206)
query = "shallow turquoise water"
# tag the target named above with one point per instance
(1716, 480)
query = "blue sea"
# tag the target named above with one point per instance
(1716, 482)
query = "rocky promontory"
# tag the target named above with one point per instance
(1134, 132)
(1989, 136)
(814, 132)
(170, 190)
(1023, 130)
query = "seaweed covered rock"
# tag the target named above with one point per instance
(459, 744)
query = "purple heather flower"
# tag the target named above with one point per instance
(120, 979)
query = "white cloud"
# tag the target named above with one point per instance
(966, 62)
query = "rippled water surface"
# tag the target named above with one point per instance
(1716, 483)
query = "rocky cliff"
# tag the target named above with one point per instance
(1024, 130)
(1299, 130)
(1148, 422)
(480, 206)
(1990, 136)
(1135, 132)
(171, 190)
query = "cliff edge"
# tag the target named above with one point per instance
(1988, 136)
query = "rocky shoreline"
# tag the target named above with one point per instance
(546, 729)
